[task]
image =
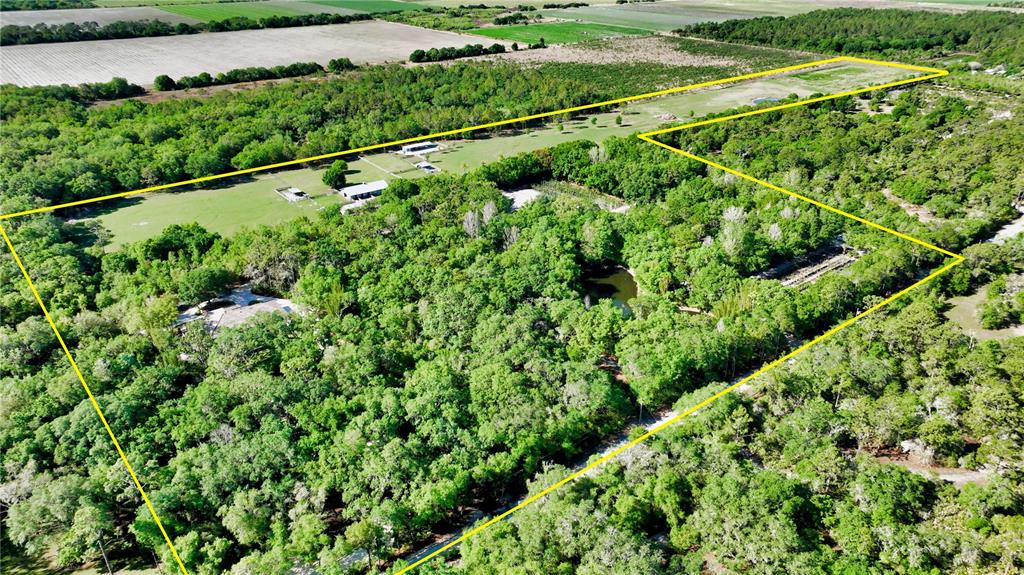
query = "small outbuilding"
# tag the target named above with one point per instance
(427, 167)
(292, 194)
(364, 191)
(419, 148)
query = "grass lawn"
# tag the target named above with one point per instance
(223, 210)
(369, 5)
(227, 209)
(557, 32)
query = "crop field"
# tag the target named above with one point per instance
(140, 60)
(557, 32)
(225, 10)
(369, 5)
(99, 15)
(227, 209)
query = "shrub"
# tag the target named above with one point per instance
(163, 83)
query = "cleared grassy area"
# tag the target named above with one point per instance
(464, 155)
(227, 209)
(964, 311)
(124, 3)
(223, 210)
(557, 32)
(369, 5)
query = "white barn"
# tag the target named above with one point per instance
(364, 191)
(419, 148)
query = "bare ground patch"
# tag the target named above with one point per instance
(624, 50)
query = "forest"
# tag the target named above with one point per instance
(997, 36)
(448, 358)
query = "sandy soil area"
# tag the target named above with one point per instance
(624, 50)
(98, 15)
(142, 59)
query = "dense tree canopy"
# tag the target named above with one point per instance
(996, 35)
(449, 358)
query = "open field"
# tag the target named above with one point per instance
(227, 209)
(369, 5)
(99, 15)
(254, 10)
(139, 60)
(557, 32)
(253, 202)
(224, 210)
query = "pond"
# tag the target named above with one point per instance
(616, 283)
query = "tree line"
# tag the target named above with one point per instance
(467, 51)
(77, 32)
(12, 5)
(995, 35)
(164, 82)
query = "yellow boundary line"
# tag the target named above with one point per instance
(648, 137)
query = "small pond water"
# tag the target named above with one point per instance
(617, 284)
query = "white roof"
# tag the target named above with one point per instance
(368, 187)
(522, 197)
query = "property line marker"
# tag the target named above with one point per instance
(646, 136)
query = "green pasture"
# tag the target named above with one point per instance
(557, 32)
(255, 10)
(369, 5)
(224, 210)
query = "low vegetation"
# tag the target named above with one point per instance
(557, 32)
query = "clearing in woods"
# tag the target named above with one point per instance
(219, 213)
